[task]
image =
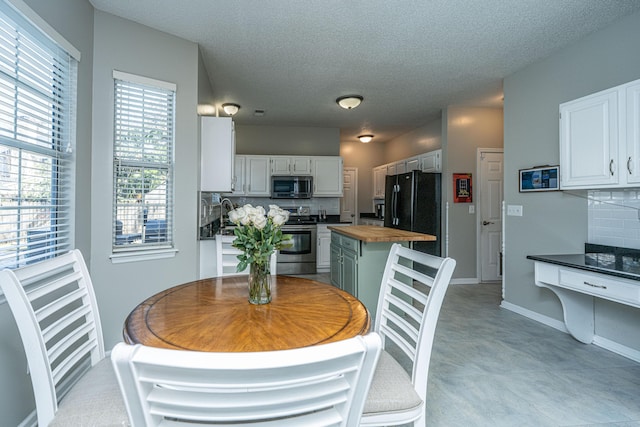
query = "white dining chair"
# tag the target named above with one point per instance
(413, 288)
(55, 310)
(323, 385)
(227, 258)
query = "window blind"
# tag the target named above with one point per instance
(37, 137)
(143, 157)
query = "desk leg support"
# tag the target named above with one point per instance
(578, 312)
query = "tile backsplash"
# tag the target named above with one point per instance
(614, 218)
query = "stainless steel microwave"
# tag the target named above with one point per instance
(291, 187)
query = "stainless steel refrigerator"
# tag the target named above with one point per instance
(413, 203)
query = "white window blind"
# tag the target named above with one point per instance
(143, 158)
(37, 136)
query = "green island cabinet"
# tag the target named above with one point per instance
(357, 264)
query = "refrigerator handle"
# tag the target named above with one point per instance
(396, 189)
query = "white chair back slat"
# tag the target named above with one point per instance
(319, 385)
(51, 331)
(37, 292)
(412, 290)
(81, 333)
(59, 325)
(60, 304)
(69, 362)
(227, 258)
(413, 274)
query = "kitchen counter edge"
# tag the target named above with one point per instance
(372, 233)
(577, 261)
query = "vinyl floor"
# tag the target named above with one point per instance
(493, 367)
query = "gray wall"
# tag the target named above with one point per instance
(364, 157)
(467, 129)
(421, 140)
(283, 140)
(129, 47)
(557, 222)
(73, 19)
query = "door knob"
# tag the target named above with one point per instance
(487, 222)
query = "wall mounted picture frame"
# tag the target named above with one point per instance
(540, 178)
(462, 188)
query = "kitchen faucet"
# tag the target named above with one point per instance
(222, 208)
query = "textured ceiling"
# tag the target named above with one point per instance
(408, 59)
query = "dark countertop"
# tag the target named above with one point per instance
(611, 260)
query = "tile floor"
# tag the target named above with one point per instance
(493, 367)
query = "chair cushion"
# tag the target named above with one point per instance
(391, 389)
(95, 400)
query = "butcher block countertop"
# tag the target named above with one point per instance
(372, 233)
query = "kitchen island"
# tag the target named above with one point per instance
(358, 257)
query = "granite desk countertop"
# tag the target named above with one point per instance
(611, 260)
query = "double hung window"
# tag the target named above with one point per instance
(143, 160)
(37, 137)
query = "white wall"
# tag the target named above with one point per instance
(556, 222)
(126, 46)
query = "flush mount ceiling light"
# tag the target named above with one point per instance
(230, 109)
(349, 102)
(365, 138)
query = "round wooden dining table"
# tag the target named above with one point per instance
(215, 315)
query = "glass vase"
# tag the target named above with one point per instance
(259, 283)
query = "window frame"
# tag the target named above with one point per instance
(138, 245)
(38, 72)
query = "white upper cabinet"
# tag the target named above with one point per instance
(633, 132)
(431, 161)
(238, 186)
(589, 138)
(251, 176)
(412, 164)
(287, 165)
(599, 139)
(217, 152)
(379, 175)
(258, 176)
(327, 176)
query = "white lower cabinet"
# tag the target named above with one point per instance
(576, 290)
(323, 253)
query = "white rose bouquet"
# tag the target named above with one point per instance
(258, 234)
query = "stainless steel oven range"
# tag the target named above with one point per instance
(300, 257)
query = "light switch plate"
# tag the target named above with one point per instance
(472, 209)
(514, 210)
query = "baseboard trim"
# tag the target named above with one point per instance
(465, 281)
(617, 348)
(545, 320)
(30, 421)
(605, 343)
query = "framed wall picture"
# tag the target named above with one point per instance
(462, 188)
(540, 178)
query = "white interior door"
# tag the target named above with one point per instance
(491, 176)
(349, 201)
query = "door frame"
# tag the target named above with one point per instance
(478, 209)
